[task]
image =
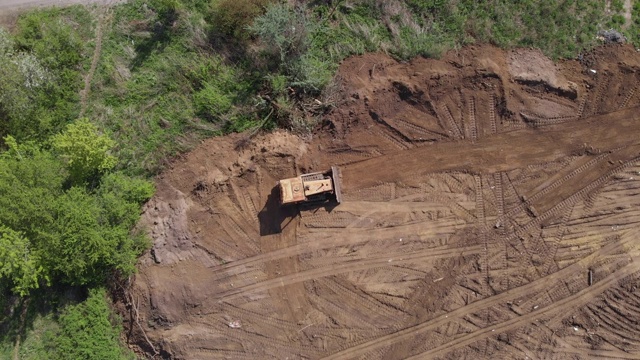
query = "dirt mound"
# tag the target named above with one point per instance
(490, 203)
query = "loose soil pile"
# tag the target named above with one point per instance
(491, 210)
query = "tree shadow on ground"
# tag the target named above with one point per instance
(20, 313)
(158, 41)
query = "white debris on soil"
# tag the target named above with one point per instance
(235, 324)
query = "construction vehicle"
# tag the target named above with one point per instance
(311, 188)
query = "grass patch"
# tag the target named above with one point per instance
(158, 91)
(61, 41)
(428, 27)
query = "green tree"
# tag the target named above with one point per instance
(85, 150)
(75, 235)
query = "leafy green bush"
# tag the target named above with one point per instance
(85, 151)
(18, 264)
(22, 81)
(87, 331)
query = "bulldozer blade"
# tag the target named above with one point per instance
(337, 183)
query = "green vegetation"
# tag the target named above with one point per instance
(74, 169)
(634, 28)
(78, 330)
(87, 331)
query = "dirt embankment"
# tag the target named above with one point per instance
(491, 202)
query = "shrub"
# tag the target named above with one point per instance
(233, 17)
(284, 31)
(310, 73)
(85, 150)
(87, 331)
(18, 263)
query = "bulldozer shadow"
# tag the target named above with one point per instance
(273, 217)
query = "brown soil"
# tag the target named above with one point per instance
(491, 210)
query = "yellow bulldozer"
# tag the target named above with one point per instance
(311, 188)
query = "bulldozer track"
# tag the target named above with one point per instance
(360, 300)
(473, 125)
(250, 205)
(480, 212)
(223, 246)
(245, 202)
(457, 132)
(596, 101)
(581, 106)
(217, 353)
(419, 129)
(538, 121)
(629, 96)
(337, 311)
(557, 184)
(559, 307)
(539, 284)
(354, 255)
(240, 314)
(237, 230)
(499, 194)
(400, 144)
(454, 184)
(492, 114)
(342, 268)
(245, 338)
(513, 124)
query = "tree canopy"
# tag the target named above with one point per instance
(55, 228)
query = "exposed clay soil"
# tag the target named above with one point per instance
(491, 211)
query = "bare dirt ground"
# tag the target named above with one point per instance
(491, 211)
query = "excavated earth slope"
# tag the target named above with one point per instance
(491, 210)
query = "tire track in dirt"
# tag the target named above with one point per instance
(575, 301)
(368, 263)
(248, 340)
(537, 285)
(501, 152)
(327, 241)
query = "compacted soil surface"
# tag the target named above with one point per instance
(491, 209)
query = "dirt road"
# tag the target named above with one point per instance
(490, 211)
(15, 5)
